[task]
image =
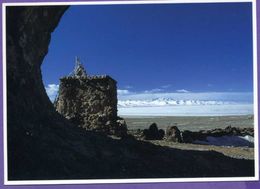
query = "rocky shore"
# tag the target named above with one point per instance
(172, 137)
(173, 133)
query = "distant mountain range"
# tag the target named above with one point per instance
(158, 102)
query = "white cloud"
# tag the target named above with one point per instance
(157, 90)
(166, 86)
(128, 87)
(182, 91)
(52, 90)
(123, 92)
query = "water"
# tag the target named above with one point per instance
(193, 123)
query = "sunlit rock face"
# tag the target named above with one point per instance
(88, 101)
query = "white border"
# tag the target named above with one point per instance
(157, 180)
(255, 80)
(4, 91)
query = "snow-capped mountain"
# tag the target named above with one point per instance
(166, 102)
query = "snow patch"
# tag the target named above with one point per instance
(235, 141)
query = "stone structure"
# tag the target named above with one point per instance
(89, 101)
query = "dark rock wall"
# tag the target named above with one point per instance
(88, 102)
(28, 34)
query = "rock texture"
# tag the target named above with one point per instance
(189, 136)
(153, 133)
(44, 145)
(173, 134)
(90, 102)
(29, 111)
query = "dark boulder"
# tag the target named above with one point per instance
(217, 132)
(121, 128)
(230, 131)
(187, 136)
(190, 136)
(161, 134)
(173, 134)
(247, 131)
(153, 133)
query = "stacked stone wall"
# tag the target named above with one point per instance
(89, 102)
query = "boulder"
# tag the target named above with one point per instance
(173, 134)
(190, 136)
(153, 133)
(121, 128)
(247, 131)
(187, 136)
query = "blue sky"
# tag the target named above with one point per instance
(173, 48)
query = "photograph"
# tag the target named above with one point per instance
(130, 92)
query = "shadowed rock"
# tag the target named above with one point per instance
(173, 134)
(153, 133)
(189, 136)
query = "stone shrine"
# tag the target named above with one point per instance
(90, 101)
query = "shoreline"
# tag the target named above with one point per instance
(230, 151)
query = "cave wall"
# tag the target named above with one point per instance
(29, 110)
(28, 34)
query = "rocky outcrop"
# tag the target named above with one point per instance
(153, 133)
(28, 36)
(42, 144)
(173, 134)
(120, 128)
(189, 136)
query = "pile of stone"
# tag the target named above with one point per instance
(153, 133)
